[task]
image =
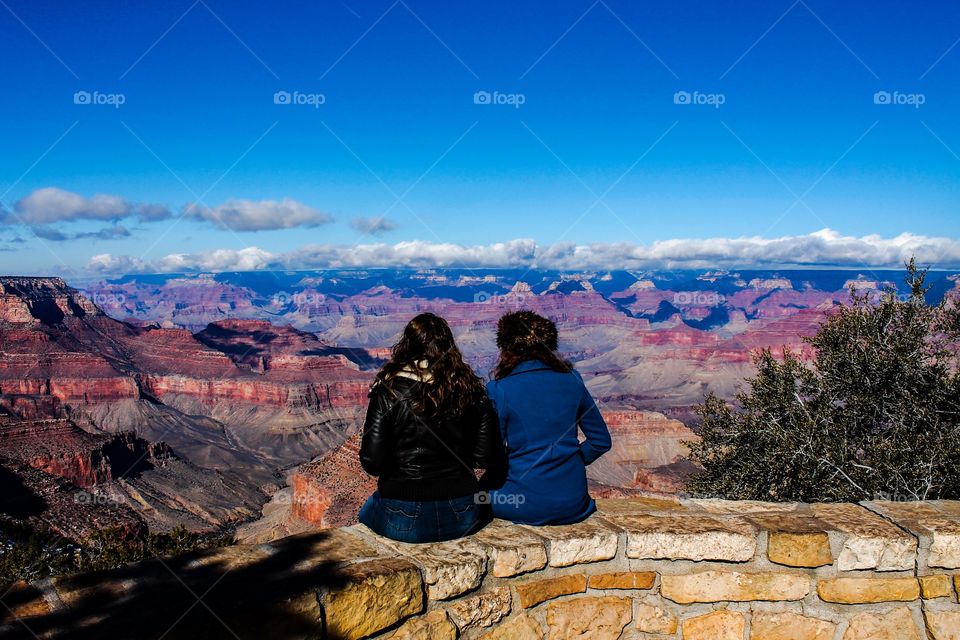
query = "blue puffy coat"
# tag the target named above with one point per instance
(545, 480)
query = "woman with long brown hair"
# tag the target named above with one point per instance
(542, 402)
(429, 425)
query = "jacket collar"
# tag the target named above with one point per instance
(529, 365)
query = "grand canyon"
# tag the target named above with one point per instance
(234, 401)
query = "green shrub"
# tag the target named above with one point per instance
(31, 553)
(874, 414)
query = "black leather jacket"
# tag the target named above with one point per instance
(426, 458)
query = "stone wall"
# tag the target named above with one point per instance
(639, 568)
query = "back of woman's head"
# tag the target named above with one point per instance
(525, 335)
(428, 350)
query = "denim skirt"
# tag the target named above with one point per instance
(425, 520)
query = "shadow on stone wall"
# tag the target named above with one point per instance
(228, 593)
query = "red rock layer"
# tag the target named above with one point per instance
(54, 342)
(330, 490)
(61, 448)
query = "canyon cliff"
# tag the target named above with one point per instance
(247, 390)
(173, 428)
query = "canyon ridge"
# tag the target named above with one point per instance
(234, 401)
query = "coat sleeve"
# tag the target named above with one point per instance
(495, 471)
(377, 428)
(488, 448)
(592, 425)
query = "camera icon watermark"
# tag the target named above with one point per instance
(115, 100)
(698, 298)
(298, 98)
(515, 100)
(915, 100)
(715, 100)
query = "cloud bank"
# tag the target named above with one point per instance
(50, 204)
(825, 248)
(55, 235)
(374, 225)
(262, 215)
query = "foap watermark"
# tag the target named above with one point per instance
(115, 100)
(715, 100)
(515, 100)
(87, 497)
(299, 98)
(886, 496)
(915, 100)
(698, 298)
(500, 299)
(297, 299)
(102, 299)
(511, 499)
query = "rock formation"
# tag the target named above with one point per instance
(240, 401)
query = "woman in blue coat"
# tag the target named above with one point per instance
(541, 402)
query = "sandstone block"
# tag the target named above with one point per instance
(521, 627)
(895, 625)
(789, 626)
(640, 504)
(688, 537)
(75, 590)
(730, 586)
(482, 610)
(601, 618)
(534, 592)
(740, 507)
(943, 625)
(22, 600)
(868, 590)
(449, 568)
(799, 549)
(297, 617)
(321, 548)
(433, 626)
(872, 542)
(511, 549)
(587, 541)
(935, 522)
(623, 580)
(231, 558)
(719, 625)
(377, 594)
(935, 587)
(653, 619)
(944, 549)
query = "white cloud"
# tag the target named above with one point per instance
(55, 235)
(262, 215)
(106, 263)
(416, 253)
(822, 248)
(50, 204)
(374, 226)
(247, 259)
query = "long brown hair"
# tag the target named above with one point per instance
(450, 385)
(525, 335)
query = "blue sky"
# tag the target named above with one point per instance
(598, 153)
